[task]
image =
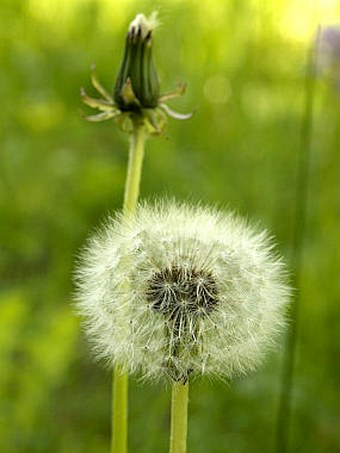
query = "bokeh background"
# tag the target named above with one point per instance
(245, 63)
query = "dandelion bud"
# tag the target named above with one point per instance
(178, 291)
(137, 84)
(136, 96)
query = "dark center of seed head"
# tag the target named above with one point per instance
(176, 290)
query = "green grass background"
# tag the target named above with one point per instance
(244, 61)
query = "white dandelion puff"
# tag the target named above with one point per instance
(179, 291)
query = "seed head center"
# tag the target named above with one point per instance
(176, 289)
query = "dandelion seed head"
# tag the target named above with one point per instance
(179, 291)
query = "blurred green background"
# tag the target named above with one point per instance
(244, 61)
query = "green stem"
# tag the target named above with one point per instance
(120, 378)
(284, 414)
(136, 155)
(120, 411)
(179, 417)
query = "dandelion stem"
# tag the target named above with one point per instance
(284, 414)
(120, 378)
(137, 143)
(179, 417)
(120, 411)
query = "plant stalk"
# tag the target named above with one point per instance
(120, 378)
(179, 417)
(119, 411)
(134, 171)
(284, 414)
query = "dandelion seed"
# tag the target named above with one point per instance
(179, 291)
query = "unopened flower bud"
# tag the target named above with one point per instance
(137, 84)
(136, 94)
